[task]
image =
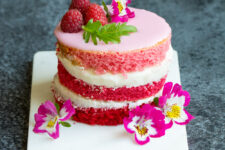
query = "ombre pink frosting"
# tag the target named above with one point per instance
(151, 30)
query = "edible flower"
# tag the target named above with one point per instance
(121, 12)
(49, 116)
(172, 103)
(145, 121)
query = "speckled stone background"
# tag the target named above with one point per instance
(26, 26)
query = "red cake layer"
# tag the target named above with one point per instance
(102, 93)
(115, 62)
(98, 116)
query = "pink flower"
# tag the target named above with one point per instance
(172, 103)
(47, 119)
(121, 12)
(145, 121)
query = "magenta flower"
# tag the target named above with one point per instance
(121, 12)
(172, 103)
(48, 118)
(145, 121)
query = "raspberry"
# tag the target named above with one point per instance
(81, 5)
(95, 12)
(72, 21)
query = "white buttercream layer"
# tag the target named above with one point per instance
(63, 93)
(132, 79)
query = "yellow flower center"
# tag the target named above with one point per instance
(52, 122)
(174, 113)
(141, 130)
(120, 6)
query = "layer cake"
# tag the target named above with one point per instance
(105, 81)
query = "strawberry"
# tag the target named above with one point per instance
(95, 12)
(81, 5)
(72, 21)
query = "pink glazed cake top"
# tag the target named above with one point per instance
(151, 30)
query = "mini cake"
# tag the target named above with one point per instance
(105, 81)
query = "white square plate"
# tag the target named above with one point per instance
(85, 137)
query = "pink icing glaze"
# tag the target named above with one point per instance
(151, 30)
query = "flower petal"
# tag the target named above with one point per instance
(157, 115)
(117, 19)
(55, 134)
(123, 14)
(158, 125)
(169, 125)
(131, 126)
(141, 141)
(179, 101)
(39, 119)
(146, 121)
(167, 120)
(130, 14)
(128, 2)
(115, 8)
(127, 125)
(187, 97)
(184, 119)
(47, 108)
(167, 89)
(160, 132)
(37, 128)
(66, 111)
(176, 88)
(162, 101)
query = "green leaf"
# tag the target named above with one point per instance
(129, 28)
(57, 107)
(65, 124)
(107, 33)
(87, 37)
(84, 36)
(156, 101)
(94, 39)
(107, 12)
